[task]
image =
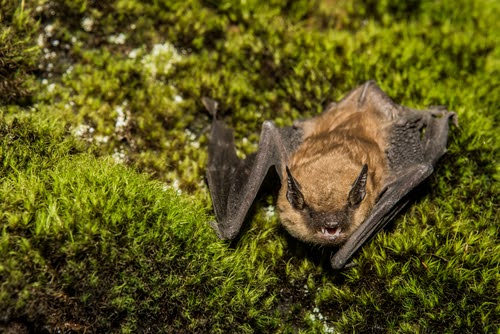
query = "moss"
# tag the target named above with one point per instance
(103, 205)
(18, 52)
(89, 244)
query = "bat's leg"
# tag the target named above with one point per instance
(391, 202)
(369, 97)
(234, 183)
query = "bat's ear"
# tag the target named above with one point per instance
(358, 190)
(293, 193)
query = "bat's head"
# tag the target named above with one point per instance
(325, 211)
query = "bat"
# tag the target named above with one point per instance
(344, 173)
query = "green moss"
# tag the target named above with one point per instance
(103, 205)
(93, 235)
(18, 52)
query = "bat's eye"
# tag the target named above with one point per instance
(293, 193)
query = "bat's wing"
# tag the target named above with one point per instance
(234, 182)
(417, 141)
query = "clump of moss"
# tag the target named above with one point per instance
(89, 245)
(18, 52)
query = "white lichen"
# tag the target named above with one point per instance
(117, 39)
(317, 316)
(270, 212)
(101, 139)
(161, 60)
(51, 87)
(122, 118)
(87, 24)
(119, 155)
(189, 135)
(178, 98)
(69, 70)
(40, 41)
(174, 186)
(49, 30)
(83, 130)
(191, 138)
(134, 53)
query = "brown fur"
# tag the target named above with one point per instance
(336, 145)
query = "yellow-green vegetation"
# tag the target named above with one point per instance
(103, 206)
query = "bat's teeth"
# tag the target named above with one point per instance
(331, 231)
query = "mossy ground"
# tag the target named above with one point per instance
(103, 205)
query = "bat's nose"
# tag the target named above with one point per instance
(332, 224)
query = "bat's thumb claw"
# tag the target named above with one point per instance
(211, 105)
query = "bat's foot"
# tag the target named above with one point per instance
(441, 112)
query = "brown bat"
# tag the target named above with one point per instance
(347, 172)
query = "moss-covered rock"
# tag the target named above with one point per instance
(103, 204)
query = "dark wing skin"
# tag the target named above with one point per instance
(233, 182)
(417, 139)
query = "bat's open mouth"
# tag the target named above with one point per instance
(331, 232)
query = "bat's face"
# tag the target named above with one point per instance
(334, 177)
(325, 211)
